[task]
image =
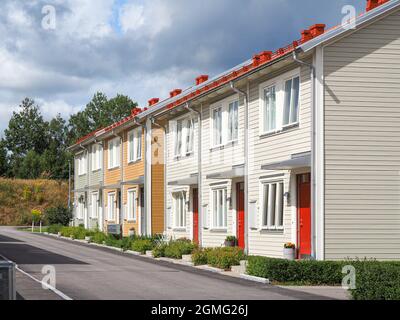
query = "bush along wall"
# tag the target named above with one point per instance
(223, 258)
(374, 280)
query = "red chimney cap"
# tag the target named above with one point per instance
(372, 4)
(153, 101)
(175, 92)
(201, 79)
(317, 29)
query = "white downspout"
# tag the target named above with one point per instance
(199, 174)
(246, 162)
(86, 213)
(313, 161)
(121, 163)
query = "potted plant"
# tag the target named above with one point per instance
(289, 251)
(230, 241)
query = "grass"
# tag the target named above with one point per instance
(19, 197)
(35, 229)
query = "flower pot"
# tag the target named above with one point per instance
(230, 243)
(289, 253)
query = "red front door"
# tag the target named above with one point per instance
(304, 214)
(195, 215)
(240, 213)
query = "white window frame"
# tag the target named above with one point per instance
(221, 191)
(96, 157)
(225, 135)
(179, 218)
(132, 205)
(114, 150)
(290, 122)
(279, 84)
(111, 206)
(186, 136)
(135, 145)
(276, 190)
(94, 212)
(82, 163)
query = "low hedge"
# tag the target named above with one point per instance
(374, 280)
(174, 249)
(223, 258)
(142, 245)
(54, 228)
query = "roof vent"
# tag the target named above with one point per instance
(372, 4)
(314, 31)
(262, 57)
(153, 101)
(201, 79)
(135, 111)
(175, 93)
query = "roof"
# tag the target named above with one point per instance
(339, 30)
(249, 66)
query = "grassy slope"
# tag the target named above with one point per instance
(19, 197)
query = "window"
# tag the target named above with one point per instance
(111, 205)
(81, 208)
(219, 216)
(95, 206)
(114, 153)
(233, 121)
(131, 205)
(82, 164)
(184, 137)
(291, 104)
(217, 126)
(135, 145)
(280, 102)
(96, 157)
(273, 205)
(189, 136)
(269, 109)
(179, 206)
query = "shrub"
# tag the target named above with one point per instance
(58, 215)
(176, 249)
(54, 228)
(98, 237)
(377, 281)
(225, 258)
(126, 243)
(113, 241)
(142, 245)
(200, 256)
(159, 250)
(66, 231)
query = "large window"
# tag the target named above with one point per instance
(114, 153)
(95, 206)
(269, 109)
(96, 157)
(111, 205)
(179, 209)
(184, 137)
(273, 205)
(82, 164)
(280, 103)
(291, 102)
(217, 126)
(233, 121)
(132, 205)
(220, 210)
(135, 145)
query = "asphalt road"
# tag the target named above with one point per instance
(90, 273)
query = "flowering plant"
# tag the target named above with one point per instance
(289, 245)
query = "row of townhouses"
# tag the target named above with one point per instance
(299, 145)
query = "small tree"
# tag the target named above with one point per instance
(58, 215)
(36, 216)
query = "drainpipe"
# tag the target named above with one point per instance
(86, 219)
(153, 121)
(121, 163)
(246, 160)
(313, 138)
(199, 175)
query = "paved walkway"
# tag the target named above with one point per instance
(85, 272)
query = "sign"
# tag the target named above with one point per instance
(114, 229)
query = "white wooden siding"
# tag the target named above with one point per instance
(362, 143)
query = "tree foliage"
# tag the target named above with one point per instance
(33, 147)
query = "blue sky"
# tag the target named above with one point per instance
(143, 49)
